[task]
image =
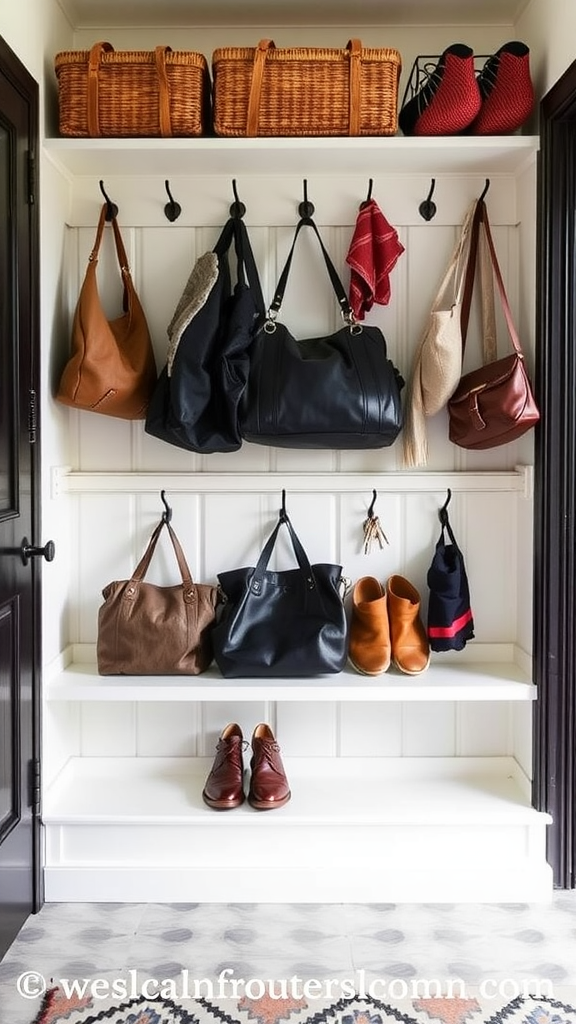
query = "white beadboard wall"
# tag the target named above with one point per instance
(105, 533)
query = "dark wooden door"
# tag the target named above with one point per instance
(20, 868)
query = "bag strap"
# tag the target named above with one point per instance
(246, 263)
(120, 252)
(253, 115)
(92, 101)
(354, 48)
(246, 269)
(482, 242)
(345, 307)
(455, 275)
(92, 98)
(144, 563)
(301, 556)
(354, 52)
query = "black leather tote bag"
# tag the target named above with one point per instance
(340, 391)
(287, 623)
(195, 403)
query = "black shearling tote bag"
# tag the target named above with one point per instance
(340, 391)
(287, 623)
(195, 403)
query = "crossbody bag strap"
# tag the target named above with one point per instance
(455, 275)
(339, 291)
(487, 290)
(500, 283)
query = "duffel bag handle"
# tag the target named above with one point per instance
(345, 307)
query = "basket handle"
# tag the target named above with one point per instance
(163, 91)
(94, 61)
(354, 47)
(253, 115)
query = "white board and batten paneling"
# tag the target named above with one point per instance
(379, 767)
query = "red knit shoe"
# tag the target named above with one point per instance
(507, 91)
(448, 101)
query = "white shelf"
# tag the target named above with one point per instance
(325, 791)
(358, 829)
(147, 13)
(444, 681)
(490, 155)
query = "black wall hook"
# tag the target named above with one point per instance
(485, 190)
(167, 514)
(237, 208)
(372, 504)
(443, 512)
(172, 209)
(111, 208)
(306, 208)
(369, 196)
(282, 512)
(427, 208)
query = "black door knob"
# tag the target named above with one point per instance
(28, 551)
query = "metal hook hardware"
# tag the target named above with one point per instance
(373, 532)
(167, 514)
(282, 512)
(369, 196)
(443, 512)
(237, 208)
(372, 504)
(306, 208)
(427, 208)
(485, 190)
(111, 208)
(172, 209)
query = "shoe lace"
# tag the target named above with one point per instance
(269, 748)
(424, 82)
(487, 76)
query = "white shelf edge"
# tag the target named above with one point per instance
(325, 791)
(280, 155)
(464, 678)
(67, 481)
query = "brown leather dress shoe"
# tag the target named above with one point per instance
(369, 643)
(223, 789)
(410, 648)
(268, 783)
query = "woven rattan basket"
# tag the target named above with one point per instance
(305, 91)
(140, 93)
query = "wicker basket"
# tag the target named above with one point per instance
(305, 91)
(132, 93)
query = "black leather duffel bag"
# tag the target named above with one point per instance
(340, 391)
